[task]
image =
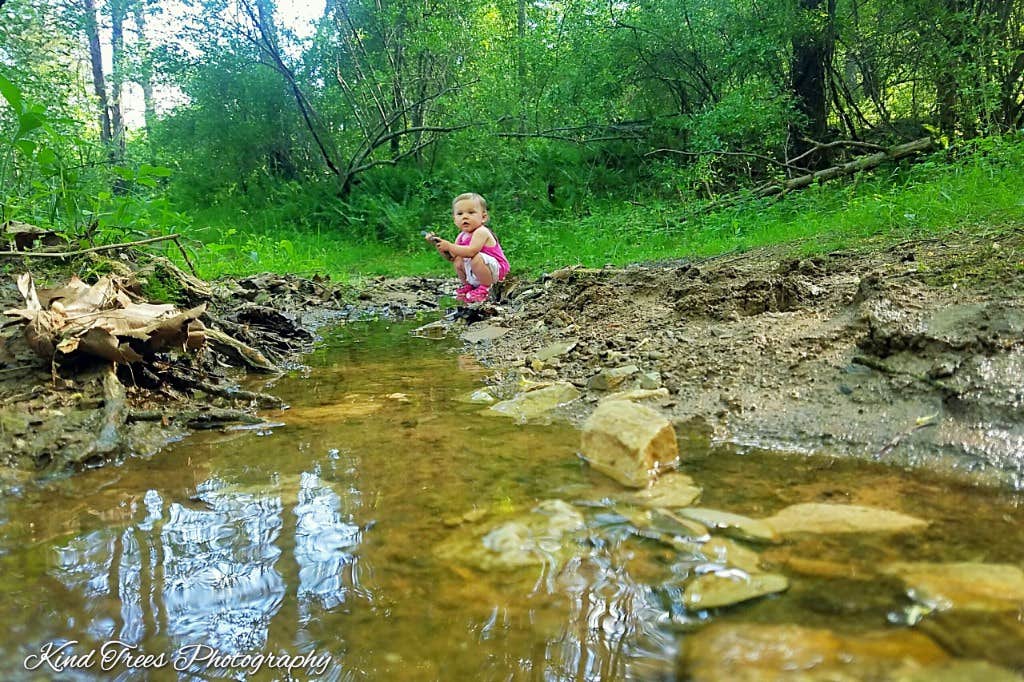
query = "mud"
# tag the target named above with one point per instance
(912, 354)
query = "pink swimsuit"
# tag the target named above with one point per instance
(494, 252)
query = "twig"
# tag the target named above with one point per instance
(184, 255)
(95, 249)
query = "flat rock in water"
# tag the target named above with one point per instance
(537, 404)
(671, 490)
(626, 441)
(967, 586)
(433, 330)
(488, 332)
(840, 518)
(729, 587)
(739, 526)
(726, 652)
(532, 539)
(731, 553)
(481, 396)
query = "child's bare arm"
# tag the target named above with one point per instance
(477, 242)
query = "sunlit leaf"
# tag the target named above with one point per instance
(12, 94)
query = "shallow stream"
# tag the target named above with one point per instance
(316, 539)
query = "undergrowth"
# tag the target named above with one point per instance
(979, 188)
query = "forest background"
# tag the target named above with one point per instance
(601, 131)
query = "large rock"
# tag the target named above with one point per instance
(731, 586)
(537, 404)
(627, 441)
(968, 586)
(724, 652)
(840, 518)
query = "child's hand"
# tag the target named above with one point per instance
(431, 237)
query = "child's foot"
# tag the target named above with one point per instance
(460, 293)
(477, 295)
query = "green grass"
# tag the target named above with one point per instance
(982, 190)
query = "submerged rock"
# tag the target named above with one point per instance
(840, 518)
(532, 539)
(968, 585)
(731, 553)
(626, 441)
(732, 586)
(724, 652)
(736, 525)
(536, 404)
(671, 490)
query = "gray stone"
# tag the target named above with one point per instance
(650, 380)
(485, 333)
(610, 379)
(536, 404)
(555, 350)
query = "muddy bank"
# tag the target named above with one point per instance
(912, 354)
(82, 412)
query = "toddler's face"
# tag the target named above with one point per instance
(468, 215)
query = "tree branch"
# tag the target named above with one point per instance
(720, 152)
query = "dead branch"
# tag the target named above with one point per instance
(822, 146)
(249, 355)
(94, 249)
(261, 399)
(862, 163)
(722, 152)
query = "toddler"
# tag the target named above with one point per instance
(476, 254)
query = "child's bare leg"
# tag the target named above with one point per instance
(480, 269)
(460, 270)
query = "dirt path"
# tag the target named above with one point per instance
(912, 353)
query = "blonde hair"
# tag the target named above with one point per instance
(470, 195)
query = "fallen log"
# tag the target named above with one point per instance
(863, 163)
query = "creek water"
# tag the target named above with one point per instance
(314, 542)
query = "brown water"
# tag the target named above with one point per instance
(316, 538)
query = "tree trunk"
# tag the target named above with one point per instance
(92, 32)
(521, 61)
(117, 15)
(145, 74)
(812, 57)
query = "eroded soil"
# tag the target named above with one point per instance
(911, 353)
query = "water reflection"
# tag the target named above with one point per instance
(207, 571)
